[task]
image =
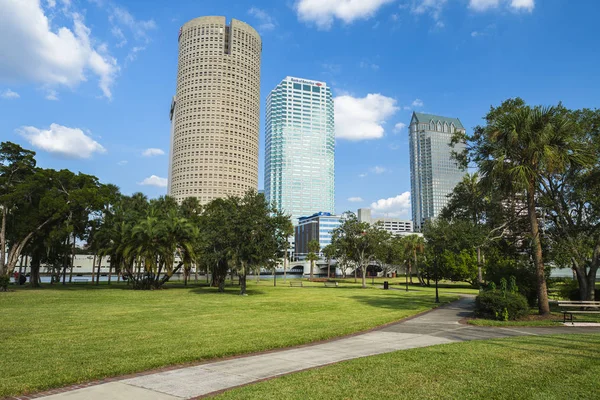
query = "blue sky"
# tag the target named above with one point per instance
(88, 83)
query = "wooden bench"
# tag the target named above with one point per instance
(578, 307)
(296, 284)
(330, 284)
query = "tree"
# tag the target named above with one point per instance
(361, 242)
(47, 197)
(571, 204)
(16, 166)
(329, 253)
(520, 148)
(313, 255)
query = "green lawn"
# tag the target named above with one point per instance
(58, 336)
(551, 367)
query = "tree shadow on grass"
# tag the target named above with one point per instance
(552, 347)
(394, 303)
(229, 290)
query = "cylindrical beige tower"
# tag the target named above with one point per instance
(216, 110)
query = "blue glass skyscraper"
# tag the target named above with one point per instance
(433, 171)
(300, 148)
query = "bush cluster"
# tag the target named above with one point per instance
(4, 282)
(501, 306)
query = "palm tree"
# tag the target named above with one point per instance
(329, 253)
(313, 255)
(517, 151)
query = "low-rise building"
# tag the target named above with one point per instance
(395, 226)
(319, 226)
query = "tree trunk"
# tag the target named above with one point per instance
(72, 260)
(542, 292)
(3, 242)
(591, 277)
(243, 281)
(479, 271)
(364, 276)
(17, 248)
(98, 270)
(328, 269)
(93, 269)
(355, 268)
(196, 272)
(110, 268)
(285, 261)
(312, 266)
(64, 273)
(34, 276)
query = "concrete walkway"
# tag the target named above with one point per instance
(436, 327)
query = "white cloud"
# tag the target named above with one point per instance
(398, 206)
(378, 170)
(355, 200)
(399, 127)
(52, 95)
(362, 175)
(120, 17)
(133, 53)
(9, 94)
(33, 51)
(362, 118)
(124, 162)
(526, 5)
(266, 22)
(483, 5)
(417, 103)
(51, 3)
(63, 141)
(323, 12)
(364, 64)
(432, 7)
(154, 181)
(153, 152)
(118, 33)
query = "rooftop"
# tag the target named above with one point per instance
(426, 118)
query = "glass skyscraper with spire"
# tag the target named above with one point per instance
(300, 148)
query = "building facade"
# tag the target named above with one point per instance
(319, 226)
(433, 171)
(395, 226)
(216, 110)
(300, 148)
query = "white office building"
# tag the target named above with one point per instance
(395, 226)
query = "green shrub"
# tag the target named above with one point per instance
(501, 306)
(4, 281)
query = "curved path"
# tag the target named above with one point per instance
(438, 326)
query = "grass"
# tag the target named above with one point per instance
(58, 335)
(542, 367)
